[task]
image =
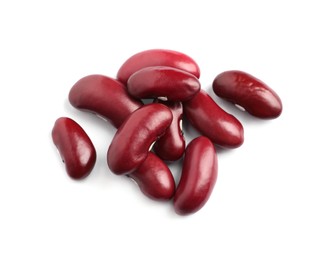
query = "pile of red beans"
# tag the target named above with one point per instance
(150, 134)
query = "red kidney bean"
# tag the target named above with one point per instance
(157, 57)
(160, 81)
(171, 145)
(248, 92)
(212, 121)
(154, 178)
(198, 178)
(130, 145)
(104, 96)
(75, 147)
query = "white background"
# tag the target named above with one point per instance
(275, 196)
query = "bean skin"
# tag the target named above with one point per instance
(157, 57)
(160, 81)
(75, 148)
(130, 145)
(212, 121)
(171, 145)
(198, 178)
(154, 178)
(104, 96)
(252, 94)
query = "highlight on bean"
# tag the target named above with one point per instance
(198, 177)
(75, 147)
(104, 96)
(248, 92)
(160, 81)
(130, 145)
(154, 178)
(213, 122)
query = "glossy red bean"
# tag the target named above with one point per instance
(104, 96)
(248, 92)
(198, 178)
(212, 121)
(157, 57)
(130, 145)
(171, 145)
(154, 178)
(75, 147)
(160, 81)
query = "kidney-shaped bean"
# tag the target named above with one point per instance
(104, 96)
(171, 145)
(75, 147)
(248, 92)
(212, 121)
(157, 57)
(160, 81)
(154, 178)
(130, 145)
(198, 178)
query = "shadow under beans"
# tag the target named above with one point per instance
(176, 168)
(224, 150)
(189, 131)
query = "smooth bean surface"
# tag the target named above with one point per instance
(160, 81)
(154, 178)
(198, 178)
(171, 145)
(130, 145)
(212, 121)
(252, 94)
(157, 57)
(75, 147)
(104, 96)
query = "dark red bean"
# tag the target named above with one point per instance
(157, 57)
(130, 145)
(171, 145)
(212, 121)
(159, 81)
(75, 147)
(248, 92)
(104, 96)
(154, 178)
(198, 178)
